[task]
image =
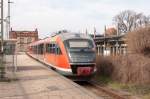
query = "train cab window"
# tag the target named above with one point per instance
(58, 50)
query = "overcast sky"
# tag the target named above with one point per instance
(74, 15)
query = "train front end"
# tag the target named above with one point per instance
(82, 56)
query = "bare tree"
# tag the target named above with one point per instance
(141, 20)
(128, 20)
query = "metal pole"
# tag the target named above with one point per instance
(86, 31)
(117, 44)
(8, 20)
(2, 73)
(104, 50)
(2, 24)
(9, 2)
(94, 32)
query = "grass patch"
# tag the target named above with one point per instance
(146, 96)
(138, 90)
(103, 80)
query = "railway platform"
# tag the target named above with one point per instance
(36, 81)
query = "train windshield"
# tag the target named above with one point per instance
(80, 50)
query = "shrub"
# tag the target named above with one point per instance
(133, 67)
(104, 66)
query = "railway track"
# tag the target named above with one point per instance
(102, 91)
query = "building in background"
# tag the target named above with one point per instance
(23, 38)
(111, 32)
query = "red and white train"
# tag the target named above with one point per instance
(70, 54)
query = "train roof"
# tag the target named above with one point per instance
(37, 42)
(63, 36)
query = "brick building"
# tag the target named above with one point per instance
(23, 38)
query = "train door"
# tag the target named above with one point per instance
(41, 51)
(56, 56)
(53, 54)
(50, 56)
(48, 53)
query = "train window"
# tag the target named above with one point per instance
(35, 49)
(48, 48)
(58, 50)
(40, 49)
(53, 48)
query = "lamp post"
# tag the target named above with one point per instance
(8, 19)
(2, 67)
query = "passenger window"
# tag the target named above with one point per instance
(48, 48)
(53, 48)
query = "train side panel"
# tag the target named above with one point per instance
(62, 58)
(58, 59)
